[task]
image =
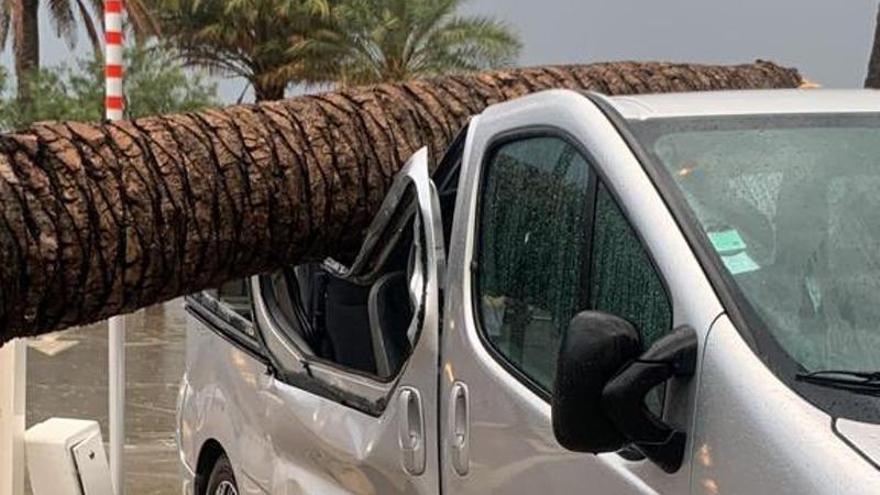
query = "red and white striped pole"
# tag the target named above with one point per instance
(114, 102)
(113, 58)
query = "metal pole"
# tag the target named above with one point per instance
(116, 400)
(13, 386)
(113, 102)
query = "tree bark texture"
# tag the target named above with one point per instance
(268, 91)
(26, 43)
(873, 79)
(102, 219)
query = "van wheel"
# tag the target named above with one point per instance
(222, 480)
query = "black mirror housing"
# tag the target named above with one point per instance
(674, 355)
(594, 348)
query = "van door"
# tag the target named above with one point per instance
(225, 369)
(360, 418)
(544, 230)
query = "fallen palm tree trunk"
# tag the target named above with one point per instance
(104, 219)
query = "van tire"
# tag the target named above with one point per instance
(222, 479)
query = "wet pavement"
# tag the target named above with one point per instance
(67, 377)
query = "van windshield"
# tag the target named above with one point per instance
(791, 207)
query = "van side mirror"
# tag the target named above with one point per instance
(598, 402)
(594, 348)
(673, 355)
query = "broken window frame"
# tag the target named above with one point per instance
(220, 317)
(411, 192)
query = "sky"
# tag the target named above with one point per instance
(829, 41)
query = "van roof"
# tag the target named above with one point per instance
(750, 102)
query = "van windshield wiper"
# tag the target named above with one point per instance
(860, 382)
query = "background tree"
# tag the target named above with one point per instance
(101, 219)
(155, 83)
(21, 17)
(247, 38)
(373, 41)
(873, 79)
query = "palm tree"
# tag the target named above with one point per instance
(372, 41)
(873, 79)
(102, 219)
(246, 38)
(22, 18)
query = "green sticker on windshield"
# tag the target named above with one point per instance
(726, 241)
(740, 263)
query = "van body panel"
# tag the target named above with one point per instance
(221, 376)
(297, 441)
(864, 437)
(755, 435)
(339, 450)
(512, 447)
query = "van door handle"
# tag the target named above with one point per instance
(459, 429)
(411, 431)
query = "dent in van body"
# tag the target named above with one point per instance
(341, 451)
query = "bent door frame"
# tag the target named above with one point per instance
(359, 390)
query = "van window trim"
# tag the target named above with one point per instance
(310, 360)
(595, 176)
(203, 307)
(346, 386)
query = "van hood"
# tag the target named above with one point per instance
(864, 437)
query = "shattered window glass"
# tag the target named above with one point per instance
(533, 238)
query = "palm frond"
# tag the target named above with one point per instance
(91, 30)
(389, 40)
(475, 42)
(144, 23)
(63, 20)
(262, 40)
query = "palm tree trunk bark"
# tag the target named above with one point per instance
(26, 44)
(873, 79)
(268, 92)
(102, 219)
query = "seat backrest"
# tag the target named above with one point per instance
(347, 324)
(390, 315)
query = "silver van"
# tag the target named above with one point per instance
(648, 294)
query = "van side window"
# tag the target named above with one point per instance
(533, 240)
(231, 305)
(368, 325)
(623, 280)
(235, 295)
(552, 244)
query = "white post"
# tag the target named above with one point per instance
(13, 385)
(116, 400)
(113, 102)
